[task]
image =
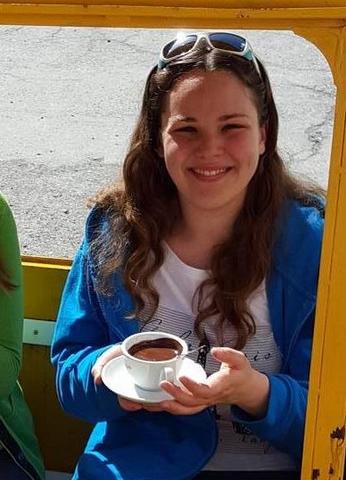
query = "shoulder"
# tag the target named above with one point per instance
(105, 233)
(106, 218)
(298, 243)
(300, 222)
(101, 220)
(4, 207)
(6, 216)
(9, 245)
(97, 221)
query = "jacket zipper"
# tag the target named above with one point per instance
(15, 461)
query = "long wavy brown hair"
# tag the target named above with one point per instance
(144, 209)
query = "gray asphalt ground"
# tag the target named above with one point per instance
(69, 99)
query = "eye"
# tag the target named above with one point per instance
(232, 126)
(187, 129)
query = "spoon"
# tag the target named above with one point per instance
(201, 347)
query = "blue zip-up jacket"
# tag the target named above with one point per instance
(159, 446)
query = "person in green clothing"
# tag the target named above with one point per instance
(20, 457)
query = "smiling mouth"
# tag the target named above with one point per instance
(209, 172)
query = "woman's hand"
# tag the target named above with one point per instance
(96, 370)
(236, 383)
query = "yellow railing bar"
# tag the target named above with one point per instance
(165, 16)
(260, 5)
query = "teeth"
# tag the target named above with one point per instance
(209, 173)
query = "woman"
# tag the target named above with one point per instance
(20, 458)
(211, 239)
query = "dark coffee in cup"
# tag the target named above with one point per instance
(157, 350)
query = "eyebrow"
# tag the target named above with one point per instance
(223, 118)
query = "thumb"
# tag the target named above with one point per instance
(104, 358)
(229, 357)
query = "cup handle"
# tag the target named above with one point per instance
(168, 374)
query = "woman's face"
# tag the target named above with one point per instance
(211, 140)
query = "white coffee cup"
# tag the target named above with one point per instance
(148, 373)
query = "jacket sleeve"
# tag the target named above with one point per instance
(283, 424)
(80, 337)
(11, 304)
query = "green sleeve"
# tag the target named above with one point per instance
(11, 303)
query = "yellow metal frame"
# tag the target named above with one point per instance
(321, 22)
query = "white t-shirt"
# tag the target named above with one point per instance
(176, 283)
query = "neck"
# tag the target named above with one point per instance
(210, 229)
(213, 226)
(195, 237)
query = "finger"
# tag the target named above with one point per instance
(129, 405)
(104, 358)
(213, 391)
(97, 376)
(153, 407)
(182, 396)
(96, 373)
(231, 357)
(200, 390)
(177, 408)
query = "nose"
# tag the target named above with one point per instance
(211, 144)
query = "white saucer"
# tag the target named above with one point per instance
(116, 378)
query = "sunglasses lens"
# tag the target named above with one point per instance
(227, 41)
(179, 46)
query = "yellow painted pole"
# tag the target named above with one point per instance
(324, 452)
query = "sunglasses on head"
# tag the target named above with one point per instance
(223, 41)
